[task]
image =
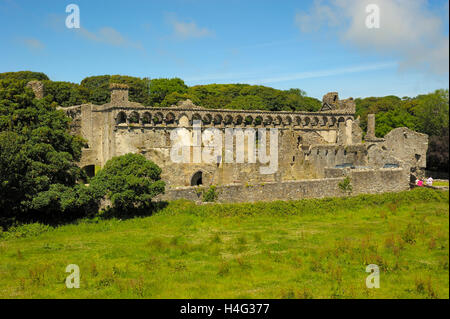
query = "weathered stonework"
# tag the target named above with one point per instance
(37, 87)
(312, 148)
(367, 181)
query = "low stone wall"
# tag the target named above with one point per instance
(367, 181)
(370, 181)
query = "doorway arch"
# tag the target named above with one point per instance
(197, 179)
(89, 170)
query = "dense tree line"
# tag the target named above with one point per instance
(166, 92)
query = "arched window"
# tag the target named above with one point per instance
(146, 118)
(170, 118)
(197, 179)
(121, 118)
(248, 120)
(217, 119)
(228, 119)
(134, 117)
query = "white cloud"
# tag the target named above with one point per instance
(108, 35)
(33, 44)
(326, 73)
(186, 30)
(255, 78)
(408, 30)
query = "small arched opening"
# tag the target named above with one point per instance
(121, 118)
(170, 118)
(89, 170)
(146, 118)
(134, 117)
(197, 179)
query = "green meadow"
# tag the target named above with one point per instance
(315, 248)
(440, 183)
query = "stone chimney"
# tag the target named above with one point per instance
(119, 92)
(370, 127)
(37, 87)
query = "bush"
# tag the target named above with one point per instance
(345, 185)
(24, 231)
(129, 181)
(210, 195)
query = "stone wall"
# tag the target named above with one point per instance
(403, 147)
(307, 141)
(37, 87)
(310, 145)
(367, 181)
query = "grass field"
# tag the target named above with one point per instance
(440, 183)
(315, 248)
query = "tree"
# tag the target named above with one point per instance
(247, 102)
(438, 151)
(98, 87)
(37, 152)
(396, 117)
(24, 75)
(432, 112)
(129, 181)
(175, 97)
(66, 93)
(159, 88)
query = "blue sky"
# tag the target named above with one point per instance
(317, 46)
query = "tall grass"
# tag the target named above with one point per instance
(315, 248)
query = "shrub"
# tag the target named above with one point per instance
(129, 181)
(345, 185)
(210, 195)
(23, 231)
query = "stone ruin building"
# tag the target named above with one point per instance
(316, 150)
